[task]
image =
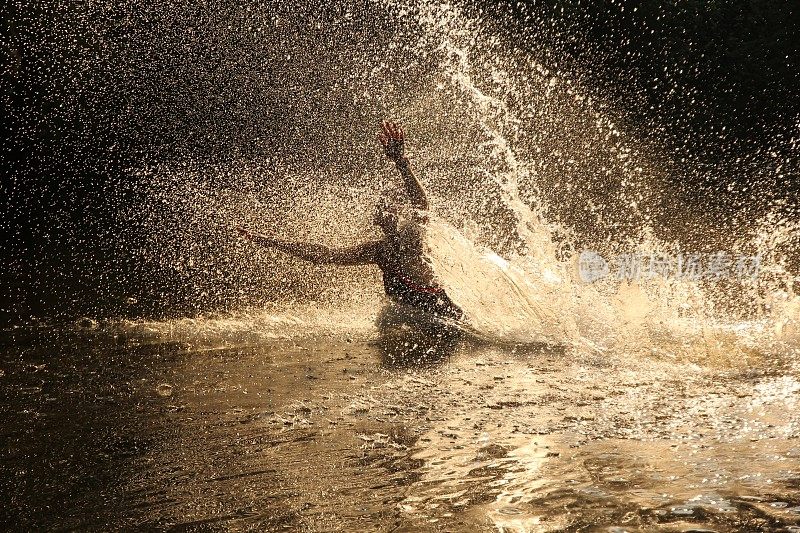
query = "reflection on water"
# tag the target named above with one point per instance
(327, 434)
(409, 337)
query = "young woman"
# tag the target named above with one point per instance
(407, 276)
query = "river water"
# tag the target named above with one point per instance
(119, 426)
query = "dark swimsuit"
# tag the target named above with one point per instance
(402, 289)
(431, 299)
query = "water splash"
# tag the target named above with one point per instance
(527, 163)
(537, 297)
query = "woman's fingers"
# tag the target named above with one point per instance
(391, 130)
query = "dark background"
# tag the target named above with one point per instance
(712, 81)
(715, 83)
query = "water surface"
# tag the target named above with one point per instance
(338, 433)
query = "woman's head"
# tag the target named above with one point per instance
(386, 217)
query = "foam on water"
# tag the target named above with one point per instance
(255, 326)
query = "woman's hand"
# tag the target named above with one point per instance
(391, 137)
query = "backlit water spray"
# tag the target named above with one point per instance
(538, 173)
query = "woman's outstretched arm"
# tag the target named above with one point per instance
(362, 254)
(392, 138)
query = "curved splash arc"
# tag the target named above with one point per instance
(501, 301)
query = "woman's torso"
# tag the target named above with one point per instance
(403, 254)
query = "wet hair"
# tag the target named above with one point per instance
(384, 212)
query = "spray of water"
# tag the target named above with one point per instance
(526, 168)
